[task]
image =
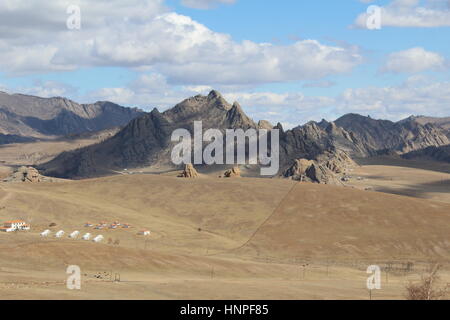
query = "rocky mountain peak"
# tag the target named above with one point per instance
(279, 126)
(264, 124)
(238, 119)
(215, 95)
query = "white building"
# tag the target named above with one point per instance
(15, 225)
(144, 233)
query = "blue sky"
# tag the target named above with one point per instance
(286, 61)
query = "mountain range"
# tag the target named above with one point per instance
(145, 140)
(24, 117)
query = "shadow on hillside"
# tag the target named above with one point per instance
(400, 162)
(421, 190)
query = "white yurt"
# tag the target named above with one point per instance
(45, 233)
(87, 236)
(74, 234)
(98, 238)
(59, 234)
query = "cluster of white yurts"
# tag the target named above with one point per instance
(73, 235)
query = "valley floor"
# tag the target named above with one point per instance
(218, 239)
(404, 177)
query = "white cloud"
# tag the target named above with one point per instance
(205, 4)
(48, 89)
(144, 35)
(147, 91)
(416, 96)
(411, 13)
(414, 60)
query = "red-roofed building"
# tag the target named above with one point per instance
(15, 225)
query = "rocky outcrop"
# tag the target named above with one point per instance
(313, 139)
(189, 172)
(298, 170)
(328, 168)
(233, 173)
(27, 174)
(339, 162)
(311, 171)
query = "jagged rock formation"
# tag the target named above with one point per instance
(313, 139)
(299, 169)
(189, 172)
(29, 116)
(328, 168)
(27, 174)
(310, 171)
(233, 173)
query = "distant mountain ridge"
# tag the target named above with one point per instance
(440, 122)
(35, 117)
(145, 141)
(402, 137)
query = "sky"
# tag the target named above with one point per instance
(284, 61)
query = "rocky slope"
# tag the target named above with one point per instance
(330, 167)
(386, 136)
(440, 122)
(29, 116)
(313, 139)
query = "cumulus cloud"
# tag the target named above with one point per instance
(148, 91)
(414, 60)
(44, 89)
(397, 102)
(144, 35)
(205, 4)
(411, 13)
